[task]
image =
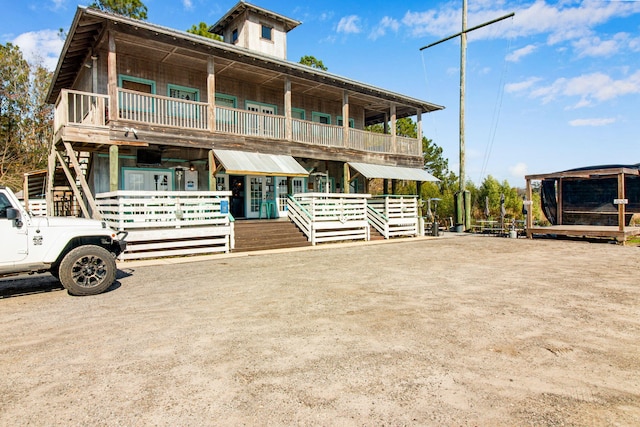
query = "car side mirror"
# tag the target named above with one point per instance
(13, 213)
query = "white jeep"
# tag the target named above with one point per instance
(80, 252)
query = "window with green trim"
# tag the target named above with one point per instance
(323, 118)
(130, 102)
(223, 115)
(339, 121)
(182, 109)
(298, 113)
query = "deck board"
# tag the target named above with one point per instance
(597, 231)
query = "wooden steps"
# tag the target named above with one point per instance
(258, 235)
(375, 234)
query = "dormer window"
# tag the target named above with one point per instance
(234, 36)
(267, 32)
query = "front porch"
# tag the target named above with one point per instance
(180, 223)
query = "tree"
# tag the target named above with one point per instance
(131, 8)
(312, 62)
(26, 120)
(202, 29)
(434, 162)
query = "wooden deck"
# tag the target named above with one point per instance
(586, 231)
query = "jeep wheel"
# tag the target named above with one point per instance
(87, 270)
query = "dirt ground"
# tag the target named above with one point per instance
(460, 331)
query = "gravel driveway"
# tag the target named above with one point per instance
(458, 331)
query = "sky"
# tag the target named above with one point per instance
(553, 88)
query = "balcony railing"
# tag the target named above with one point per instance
(81, 109)
(161, 110)
(248, 123)
(89, 109)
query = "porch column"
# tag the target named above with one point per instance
(345, 118)
(112, 78)
(559, 210)
(211, 95)
(419, 192)
(393, 186)
(394, 138)
(346, 178)
(621, 206)
(213, 185)
(385, 186)
(94, 74)
(289, 185)
(529, 209)
(419, 121)
(51, 172)
(113, 168)
(288, 121)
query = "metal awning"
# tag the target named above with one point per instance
(245, 163)
(393, 172)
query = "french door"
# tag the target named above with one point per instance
(261, 124)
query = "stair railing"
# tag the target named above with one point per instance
(301, 217)
(378, 220)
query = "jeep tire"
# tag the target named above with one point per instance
(87, 270)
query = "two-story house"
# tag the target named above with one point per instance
(143, 107)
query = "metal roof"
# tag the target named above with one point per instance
(393, 172)
(245, 163)
(241, 7)
(89, 24)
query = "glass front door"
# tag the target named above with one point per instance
(237, 195)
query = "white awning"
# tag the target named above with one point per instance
(244, 163)
(393, 172)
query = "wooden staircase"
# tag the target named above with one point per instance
(375, 234)
(259, 235)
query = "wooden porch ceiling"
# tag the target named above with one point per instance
(161, 44)
(238, 68)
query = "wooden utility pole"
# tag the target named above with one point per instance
(462, 202)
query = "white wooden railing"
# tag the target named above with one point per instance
(394, 216)
(370, 141)
(243, 122)
(325, 217)
(90, 109)
(169, 223)
(161, 110)
(410, 146)
(80, 108)
(37, 207)
(317, 133)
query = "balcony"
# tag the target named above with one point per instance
(88, 109)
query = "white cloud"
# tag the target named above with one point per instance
(521, 53)
(592, 122)
(518, 170)
(349, 25)
(385, 24)
(40, 46)
(57, 4)
(591, 88)
(594, 46)
(521, 86)
(188, 4)
(561, 22)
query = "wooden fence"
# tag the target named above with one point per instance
(325, 217)
(169, 223)
(394, 216)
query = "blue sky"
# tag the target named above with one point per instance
(555, 87)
